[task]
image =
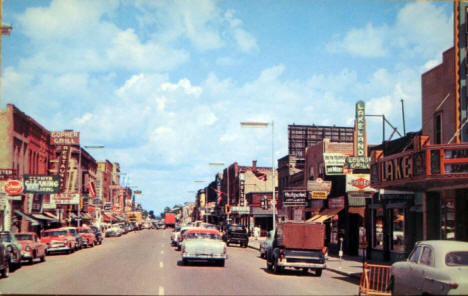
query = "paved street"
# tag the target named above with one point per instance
(145, 263)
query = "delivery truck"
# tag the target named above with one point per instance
(298, 245)
(170, 219)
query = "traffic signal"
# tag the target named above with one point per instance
(227, 209)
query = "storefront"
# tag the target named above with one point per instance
(423, 195)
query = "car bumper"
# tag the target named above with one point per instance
(284, 263)
(204, 256)
(26, 256)
(58, 249)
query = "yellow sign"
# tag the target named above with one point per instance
(319, 194)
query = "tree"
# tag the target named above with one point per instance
(151, 214)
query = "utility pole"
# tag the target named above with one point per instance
(6, 30)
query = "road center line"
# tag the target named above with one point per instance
(162, 252)
(161, 264)
(161, 290)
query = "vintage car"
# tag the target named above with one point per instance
(79, 240)
(181, 235)
(265, 243)
(89, 239)
(13, 248)
(203, 245)
(114, 231)
(97, 232)
(59, 240)
(32, 247)
(4, 262)
(434, 267)
(175, 233)
(236, 233)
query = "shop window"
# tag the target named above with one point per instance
(438, 128)
(398, 226)
(378, 229)
(334, 232)
(448, 218)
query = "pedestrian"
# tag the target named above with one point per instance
(256, 232)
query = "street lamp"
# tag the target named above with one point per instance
(220, 164)
(265, 125)
(80, 177)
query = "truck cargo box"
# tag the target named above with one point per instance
(297, 235)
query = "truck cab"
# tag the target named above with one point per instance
(297, 245)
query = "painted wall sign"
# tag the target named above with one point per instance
(42, 184)
(65, 138)
(319, 185)
(66, 198)
(6, 174)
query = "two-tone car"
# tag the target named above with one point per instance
(434, 267)
(203, 245)
(59, 240)
(88, 236)
(32, 247)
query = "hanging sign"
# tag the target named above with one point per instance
(358, 183)
(6, 174)
(294, 197)
(68, 137)
(13, 187)
(65, 198)
(41, 184)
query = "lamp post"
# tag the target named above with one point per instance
(220, 164)
(265, 125)
(80, 177)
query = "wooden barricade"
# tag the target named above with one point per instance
(375, 279)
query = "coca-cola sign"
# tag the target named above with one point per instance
(13, 187)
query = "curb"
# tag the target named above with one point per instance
(354, 275)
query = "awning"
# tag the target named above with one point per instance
(106, 218)
(357, 210)
(325, 215)
(86, 216)
(42, 217)
(34, 222)
(51, 215)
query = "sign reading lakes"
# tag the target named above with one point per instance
(42, 184)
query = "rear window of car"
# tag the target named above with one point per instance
(24, 236)
(237, 228)
(457, 258)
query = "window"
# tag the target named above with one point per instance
(414, 256)
(426, 256)
(398, 227)
(448, 217)
(378, 229)
(438, 128)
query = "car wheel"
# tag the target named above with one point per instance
(43, 258)
(6, 271)
(221, 263)
(318, 272)
(227, 244)
(30, 260)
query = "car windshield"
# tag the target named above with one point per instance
(5, 237)
(200, 235)
(55, 233)
(457, 258)
(24, 236)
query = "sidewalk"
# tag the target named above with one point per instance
(347, 266)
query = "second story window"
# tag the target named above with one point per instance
(438, 128)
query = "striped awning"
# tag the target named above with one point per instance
(33, 221)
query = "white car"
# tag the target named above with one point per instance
(203, 245)
(265, 243)
(435, 267)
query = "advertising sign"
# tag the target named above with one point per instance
(334, 163)
(360, 139)
(66, 198)
(319, 185)
(294, 198)
(65, 138)
(13, 187)
(358, 183)
(41, 184)
(319, 194)
(240, 210)
(6, 174)
(360, 162)
(63, 161)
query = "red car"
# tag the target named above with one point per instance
(89, 238)
(59, 240)
(32, 247)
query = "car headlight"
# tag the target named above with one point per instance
(10, 249)
(66, 241)
(28, 248)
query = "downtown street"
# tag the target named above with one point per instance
(144, 262)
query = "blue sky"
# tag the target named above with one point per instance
(164, 85)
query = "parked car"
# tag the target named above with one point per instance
(181, 236)
(79, 239)
(114, 231)
(203, 245)
(31, 247)
(59, 240)
(13, 248)
(89, 239)
(175, 233)
(264, 244)
(4, 261)
(236, 233)
(434, 267)
(97, 232)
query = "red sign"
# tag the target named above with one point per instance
(360, 183)
(13, 187)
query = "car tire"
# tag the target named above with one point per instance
(222, 263)
(43, 259)
(227, 244)
(269, 265)
(318, 272)
(6, 271)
